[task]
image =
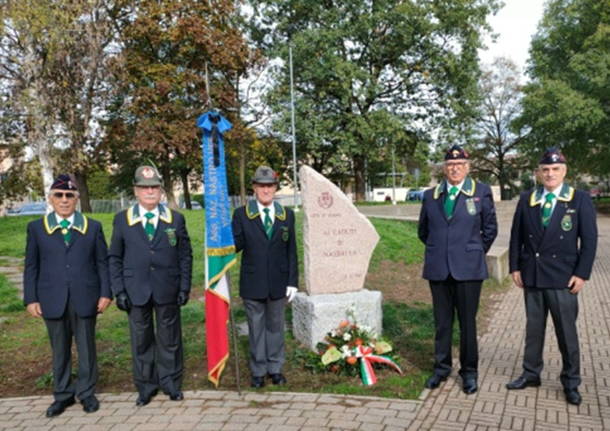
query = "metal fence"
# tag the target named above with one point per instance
(115, 205)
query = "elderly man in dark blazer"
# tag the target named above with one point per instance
(457, 223)
(264, 231)
(150, 268)
(552, 249)
(66, 282)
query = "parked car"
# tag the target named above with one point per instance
(195, 205)
(415, 194)
(595, 193)
(34, 208)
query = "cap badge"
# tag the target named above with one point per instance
(148, 173)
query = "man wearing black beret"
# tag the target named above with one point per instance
(552, 249)
(66, 282)
(457, 224)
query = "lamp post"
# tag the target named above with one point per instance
(294, 139)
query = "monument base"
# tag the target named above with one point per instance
(314, 316)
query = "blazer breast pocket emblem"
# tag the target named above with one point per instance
(566, 223)
(471, 206)
(171, 236)
(285, 234)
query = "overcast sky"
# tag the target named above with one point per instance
(515, 23)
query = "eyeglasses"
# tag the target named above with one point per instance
(149, 187)
(455, 165)
(61, 195)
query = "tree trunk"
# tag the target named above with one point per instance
(46, 166)
(83, 191)
(242, 172)
(184, 176)
(360, 177)
(169, 186)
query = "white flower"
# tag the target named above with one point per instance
(333, 333)
(345, 351)
(347, 336)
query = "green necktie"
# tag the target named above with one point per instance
(547, 209)
(450, 201)
(268, 224)
(149, 228)
(67, 233)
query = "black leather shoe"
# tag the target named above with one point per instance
(90, 404)
(278, 379)
(176, 396)
(257, 382)
(434, 381)
(522, 383)
(572, 396)
(58, 407)
(145, 399)
(469, 385)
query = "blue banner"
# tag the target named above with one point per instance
(219, 235)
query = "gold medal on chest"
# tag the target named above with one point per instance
(547, 205)
(64, 231)
(452, 197)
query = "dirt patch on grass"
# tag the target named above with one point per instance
(399, 282)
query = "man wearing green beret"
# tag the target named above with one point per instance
(150, 269)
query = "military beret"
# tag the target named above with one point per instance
(265, 175)
(551, 156)
(64, 182)
(456, 153)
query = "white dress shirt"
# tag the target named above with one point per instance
(556, 193)
(261, 207)
(144, 220)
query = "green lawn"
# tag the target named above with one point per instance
(407, 323)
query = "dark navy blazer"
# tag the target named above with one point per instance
(549, 257)
(159, 268)
(268, 266)
(55, 271)
(457, 246)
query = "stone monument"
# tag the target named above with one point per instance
(338, 244)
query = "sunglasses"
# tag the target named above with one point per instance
(61, 195)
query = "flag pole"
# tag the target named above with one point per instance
(234, 336)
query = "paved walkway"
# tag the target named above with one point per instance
(447, 408)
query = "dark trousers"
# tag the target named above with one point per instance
(156, 352)
(564, 311)
(60, 333)
(447, 296)
(266, 335)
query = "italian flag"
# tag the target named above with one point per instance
(217, 303)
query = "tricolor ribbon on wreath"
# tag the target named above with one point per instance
(366, 356)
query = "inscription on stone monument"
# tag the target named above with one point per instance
(338, 239)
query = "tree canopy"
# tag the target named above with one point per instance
(567, 104)
(372, 74)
